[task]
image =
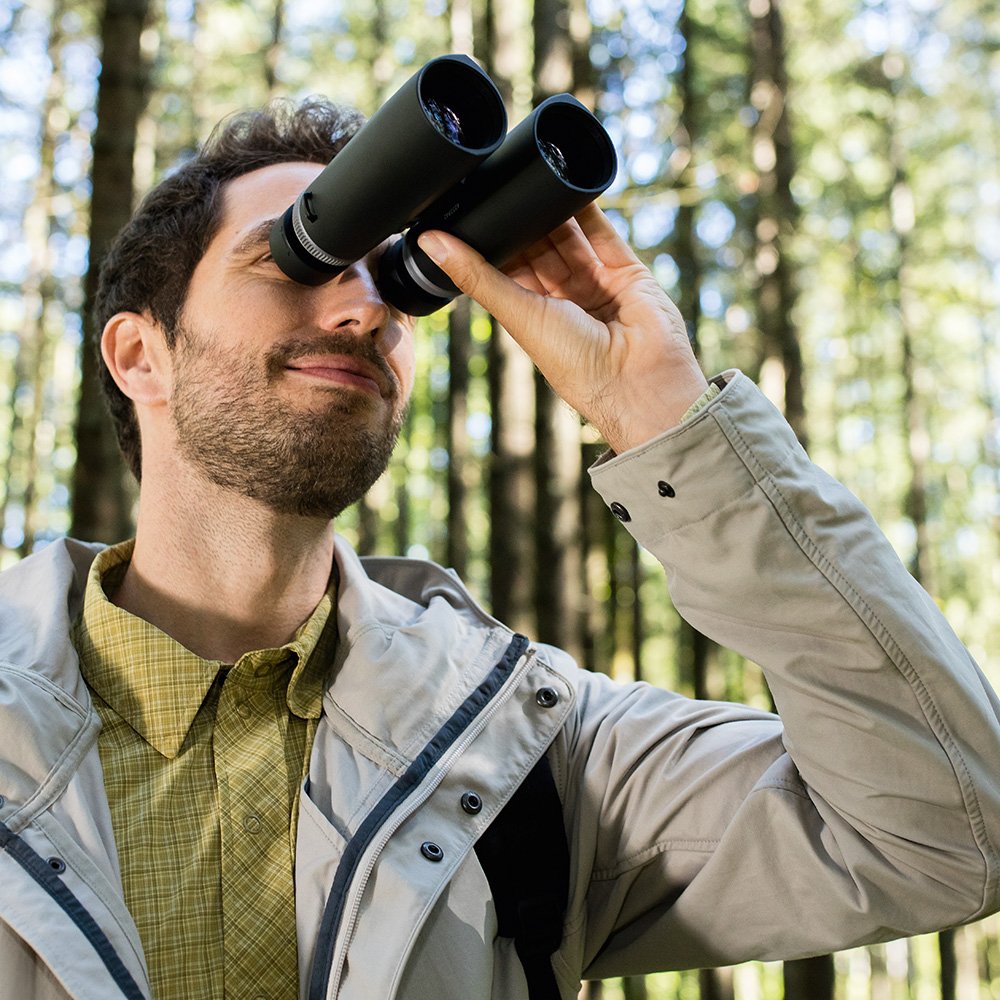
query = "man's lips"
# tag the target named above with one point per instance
(344, 370)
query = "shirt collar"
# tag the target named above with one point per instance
(157, 685)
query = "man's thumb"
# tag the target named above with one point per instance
(450, 259)
(494, 291)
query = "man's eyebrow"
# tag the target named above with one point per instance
(254, 239)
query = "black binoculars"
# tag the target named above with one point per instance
(437, 155)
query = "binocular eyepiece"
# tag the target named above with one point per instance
(436, 156)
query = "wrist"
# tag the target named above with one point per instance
(654, 410)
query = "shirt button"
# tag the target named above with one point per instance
(621, 512)
(252, 823)
(243, 710)
(666, 490)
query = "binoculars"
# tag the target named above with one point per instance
(437, 155)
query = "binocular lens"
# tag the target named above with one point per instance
(556, 159)
(445, 120)
(575, 146)
(463, 106)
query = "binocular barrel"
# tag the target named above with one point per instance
(432, 132)
(555, 162)
(435, 157)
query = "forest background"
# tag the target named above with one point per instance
(817, 184)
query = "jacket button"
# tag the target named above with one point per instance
(621, 512)
(546, 697)
(666, 490)
(3, 802)
(431, 851)
(472, 803)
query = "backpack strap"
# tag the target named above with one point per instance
(525, 857)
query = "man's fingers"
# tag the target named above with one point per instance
(604, 238)
(498, 294)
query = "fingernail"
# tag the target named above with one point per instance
(433, 246)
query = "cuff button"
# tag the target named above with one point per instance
(621, 512)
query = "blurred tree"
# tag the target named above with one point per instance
(557, 451)
(511, 485)
(102, 494)
(862, 233)
(32, 366)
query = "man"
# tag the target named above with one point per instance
(239, 761)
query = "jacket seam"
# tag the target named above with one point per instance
(49, 788)
(880, 633)
(369, 745)
(642, 858)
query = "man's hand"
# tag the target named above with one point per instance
(594, 321)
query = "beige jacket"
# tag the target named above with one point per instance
(700, 833)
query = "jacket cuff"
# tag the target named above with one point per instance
(691, 470)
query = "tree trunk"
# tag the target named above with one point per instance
(557, 429)
(809, 978)
(32, 365)
(273, 50)
(598, 529)
(459, 343)
(715, 984)
(777, 216)
(103, 496)
(512, 438)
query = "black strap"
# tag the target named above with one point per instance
(526, 860)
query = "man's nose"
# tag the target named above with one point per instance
(352, 301)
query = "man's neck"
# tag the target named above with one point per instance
(224, 576)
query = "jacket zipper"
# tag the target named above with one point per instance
(48, 878)
(466, 723)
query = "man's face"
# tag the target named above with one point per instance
(288, 394)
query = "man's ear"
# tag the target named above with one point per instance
(135, 351)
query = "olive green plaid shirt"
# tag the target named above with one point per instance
(203, 762)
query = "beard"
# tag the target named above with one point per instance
(240, 434)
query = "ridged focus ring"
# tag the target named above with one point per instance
(307, 244)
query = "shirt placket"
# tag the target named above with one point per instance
(252, 774)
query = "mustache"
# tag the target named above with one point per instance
(348, 344)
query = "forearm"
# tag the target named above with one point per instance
(890, 724)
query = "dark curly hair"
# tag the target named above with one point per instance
(149, 266)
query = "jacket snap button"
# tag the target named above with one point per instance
(621, 512)
(57, 865)
(546, 697)
(431, 851)
(472, 803)
(666, 490)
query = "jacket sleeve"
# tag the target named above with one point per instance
(707, 833)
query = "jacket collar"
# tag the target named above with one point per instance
(394, 617)
(413, 645)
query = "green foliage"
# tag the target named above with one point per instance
(894, 244)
